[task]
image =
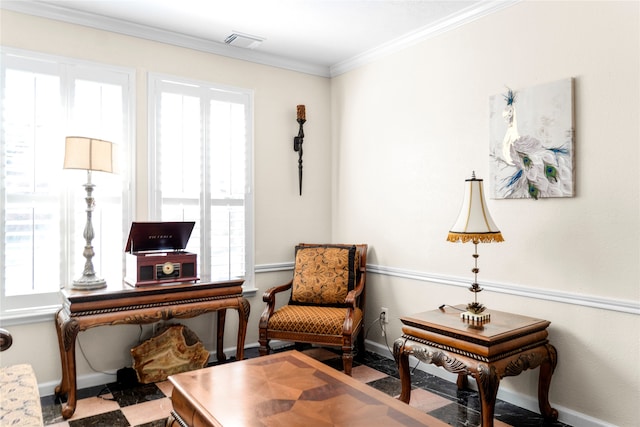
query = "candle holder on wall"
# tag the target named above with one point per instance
(298, 140)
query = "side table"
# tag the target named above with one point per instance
(505, 346)
(122, 304)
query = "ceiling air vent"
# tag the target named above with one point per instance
(245, 41)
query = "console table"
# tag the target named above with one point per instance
(122, 304)
(505, 346)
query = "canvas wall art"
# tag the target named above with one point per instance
(532, 142)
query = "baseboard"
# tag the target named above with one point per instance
(83, 381)
(100, 378)
(566, 415)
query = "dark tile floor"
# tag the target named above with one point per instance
(115, 405)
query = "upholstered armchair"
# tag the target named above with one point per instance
(326, 301)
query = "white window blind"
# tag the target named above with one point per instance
(43, 210)
(201, 170)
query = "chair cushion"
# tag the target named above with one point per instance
(19, 397)
(324, 274)
(312, 319)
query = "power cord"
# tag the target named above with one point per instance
(383, 328)
(89, 362)
(378, 320)
(381, 320)
(450, 306)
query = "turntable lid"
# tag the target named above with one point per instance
(158, 236)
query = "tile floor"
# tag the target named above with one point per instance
(113, 405)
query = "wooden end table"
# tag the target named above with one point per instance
(122, 304)
(505, 346)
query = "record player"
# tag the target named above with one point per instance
(155, 253)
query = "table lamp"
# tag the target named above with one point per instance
(474, 224)
(89, 154)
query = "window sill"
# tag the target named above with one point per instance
(33, 315)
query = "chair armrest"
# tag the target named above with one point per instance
(352, 296)
(269, 297)
(5, 339)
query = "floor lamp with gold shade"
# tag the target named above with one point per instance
(474, 224)
(89, 154)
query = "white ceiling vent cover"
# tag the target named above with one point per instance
(245, 41)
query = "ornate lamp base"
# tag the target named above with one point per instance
(475, 311)
(477, 318)
(89, 282)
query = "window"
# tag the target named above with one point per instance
(201, 170)
(43, 211)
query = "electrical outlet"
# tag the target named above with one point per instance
(385, 315)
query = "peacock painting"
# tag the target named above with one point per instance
(531, 142)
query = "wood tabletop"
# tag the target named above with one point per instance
(125, 295)
(286, 389)
(502, 326)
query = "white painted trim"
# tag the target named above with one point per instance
(278, 266)
(624, 306)
(463, 17)
(51, 11)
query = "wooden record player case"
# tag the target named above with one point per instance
(155, 253)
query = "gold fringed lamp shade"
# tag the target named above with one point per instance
(474, 224)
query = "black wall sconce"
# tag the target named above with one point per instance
(298, 140)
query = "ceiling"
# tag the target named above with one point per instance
(324, 37)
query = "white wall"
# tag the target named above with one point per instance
(282, 217)
(410, 128)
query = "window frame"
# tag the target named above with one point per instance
(19, 309)
(156, 82)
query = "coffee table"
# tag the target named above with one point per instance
(505, 346)
(284, 389)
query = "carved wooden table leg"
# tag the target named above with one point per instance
(67, 329)
(222, 315)
(462, 382)
(63, 387)
(488, 383)
(244, 309)
(547, 367)
(402, 361)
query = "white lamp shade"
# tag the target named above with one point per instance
(89, 154)
(474, 222)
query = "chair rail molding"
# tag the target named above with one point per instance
(624, 306)
(611, 304)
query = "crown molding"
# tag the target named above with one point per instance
(451, 22)
(50, 11)
(57, 13)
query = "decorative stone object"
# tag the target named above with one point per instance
(172, 350)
